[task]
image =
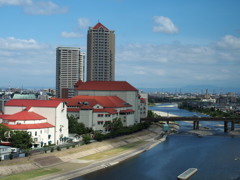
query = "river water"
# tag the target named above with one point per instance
(217, 157)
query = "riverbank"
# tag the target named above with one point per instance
(164, 114)
(71, 162)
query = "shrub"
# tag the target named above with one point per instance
(86, 138)
(52, 149)
(59, 148)
(98, 136)
(10, 156)
(27, 153)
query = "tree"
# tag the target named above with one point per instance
(150, 114)
(3, 130)
(116, 124)
(72, 124)
(21, 139)
(75, 127)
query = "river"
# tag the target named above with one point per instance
(217, 157)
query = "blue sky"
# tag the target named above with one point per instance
(159, 43)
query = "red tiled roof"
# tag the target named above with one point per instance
(105, 86)
(107, 110)
(33, 103)
(98, 25)
(24, 115)
(127, 111)
(79, 101)
(2, 116)
(73, 109)
(86, 107)
(105, 101)
(29, 126)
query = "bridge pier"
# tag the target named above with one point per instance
(226, 126)
(232, 126)
(195, 125)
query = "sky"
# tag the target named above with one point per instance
(159, 43)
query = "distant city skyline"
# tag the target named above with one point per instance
(159, 44)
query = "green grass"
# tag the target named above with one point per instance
(112, 152)
(31, 174)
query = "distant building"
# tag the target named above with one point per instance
(143, 105)
(46, 120)
(100, 54)
(69, 70)
(24, 96)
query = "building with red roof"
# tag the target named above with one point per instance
(95, 111)
(46, 120)
(100, 53)
(121, 89)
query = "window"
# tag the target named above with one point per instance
(100, 122)
(35, 133)
(100, 115)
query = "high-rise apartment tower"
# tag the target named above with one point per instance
(100, 54)
(69, 70)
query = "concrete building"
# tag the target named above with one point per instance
(69, 70)
(46, 120)
(95, 111)
(100, 54)
(121, 89)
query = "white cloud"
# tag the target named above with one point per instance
(164, 25)
(23, 44)
(177, 65)
(229, 41)
(70, 35)
(83, 23)
(36, 7)
(44, 8)
(15, 2)
(27, 62)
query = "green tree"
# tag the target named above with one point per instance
(86, 138)
(151, 114)
(21, 139)
(116, 124)
(75, 127)
(3, 130)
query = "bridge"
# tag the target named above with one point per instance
(196, 121)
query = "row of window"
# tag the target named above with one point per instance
(102, 122)
(102, 115)
(46, 131)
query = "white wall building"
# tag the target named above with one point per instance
(121, 89)
(95, 111)
(46, 120)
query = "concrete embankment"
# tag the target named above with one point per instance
(72, 155)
